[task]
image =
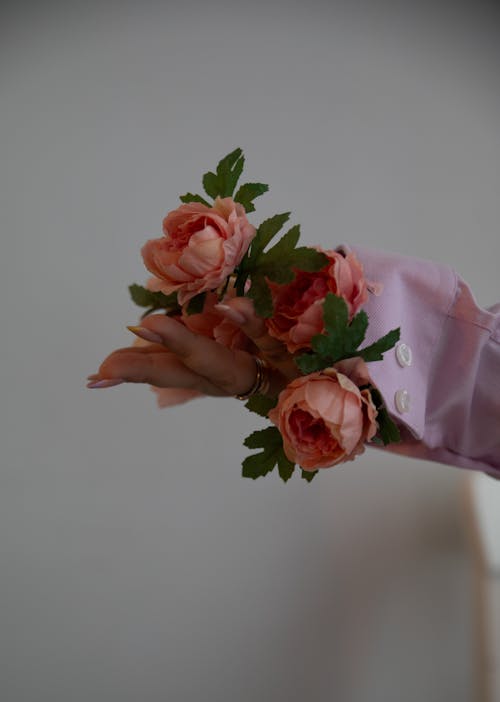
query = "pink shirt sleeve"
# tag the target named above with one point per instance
(443, 386)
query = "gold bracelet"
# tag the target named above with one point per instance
(261, 383)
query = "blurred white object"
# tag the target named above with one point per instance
(483, 516)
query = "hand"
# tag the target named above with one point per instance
(175, 357)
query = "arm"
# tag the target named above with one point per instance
(447, 399)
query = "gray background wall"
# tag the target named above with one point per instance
(136, 563)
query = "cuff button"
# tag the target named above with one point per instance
(404, 355)
(402, 401)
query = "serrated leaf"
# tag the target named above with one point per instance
(322, 345)
(277, 264)
(156, 300)
(280, 262)
(262, 437)
(266, 231)
(388, 431)
(309, 260)
(375, 352)
(308, 474)
(284, 246)
(247, 194)
(196, 304)
(141, 296)
(261, 296)
(190, 197)
(261, 404)
(223, 182)
(357, 329)
(340, 339)
(335, 313)
(285, 467)
(261, 463)
(257, 465)
(310, 363)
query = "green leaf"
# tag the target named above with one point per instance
(322, 345)
(335, 343)
(266, 231)
(257, 465)
(189, 197)
(223, 182)
(261, 404)
(262, 437)
(285, 467)
(310, 363)
(247, 194)
(307, 259)
(340, 339)
(156, 300)
(357, 329)
(261, 296)
(308, 474)
(211, 184)
(335, 313)
(388, 431)
(262, 463)
(196, 304)
(284, 246)
(141, 296)
(278, 263)
(375, 351)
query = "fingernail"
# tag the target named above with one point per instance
(230, 313)
(105, 383)
(146, 334)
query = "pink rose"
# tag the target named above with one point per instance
(210, 323)
(201, 246)
(324, 419)
(298, 306)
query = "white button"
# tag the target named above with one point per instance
(402, 401)
(404, 355)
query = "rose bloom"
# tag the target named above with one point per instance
(298, 306)
(210, 323)
(201, 246)
(324, 419)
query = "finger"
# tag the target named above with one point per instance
(153, 366)
(232, 371)
(240, 310)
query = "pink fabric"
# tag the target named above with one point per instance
(454, 379)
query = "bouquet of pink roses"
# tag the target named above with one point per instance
(311, 301)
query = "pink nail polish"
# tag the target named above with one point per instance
(109, 383)
(231, 314)
(146, 334)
